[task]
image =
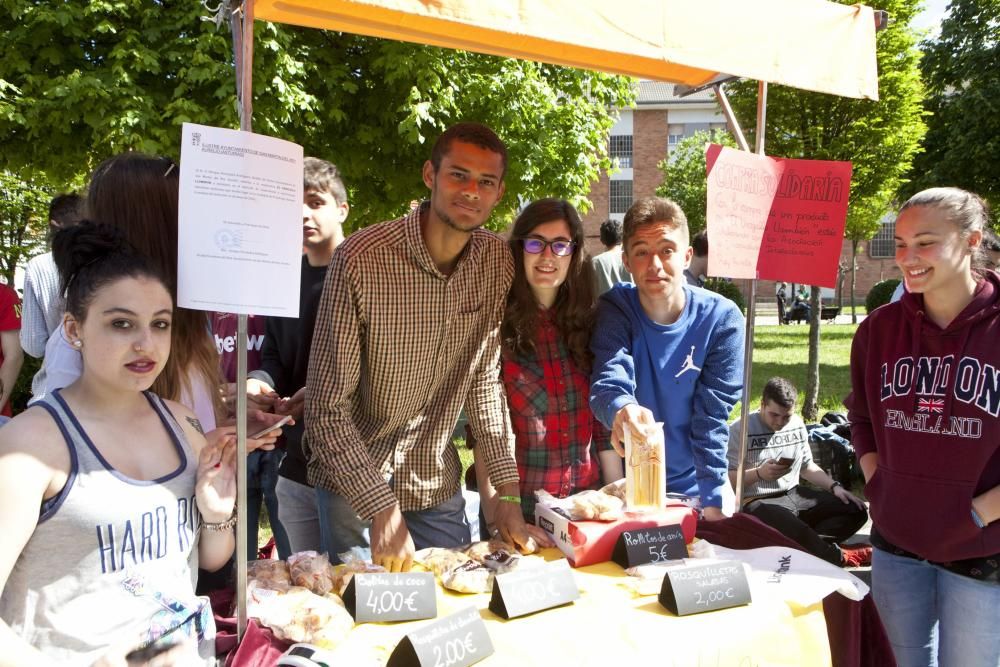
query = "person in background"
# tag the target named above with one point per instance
(281, 378)
(138, 194)
(11, 356)
(103, 530)
(781, 299)
(801, 308)
(43, 302)
(546, 361)
(697, 269)
(668, 352)
(924, 420)
(778, 454)
(608, 268)
(262, 465)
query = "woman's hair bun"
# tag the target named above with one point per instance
(79, 246)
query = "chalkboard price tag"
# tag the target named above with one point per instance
(658, 544)
(380, 597)
(526, 591)
(454, 641)
(694, 589)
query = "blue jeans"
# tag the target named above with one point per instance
(262, 475)
(443, 525)
(933, 616)
(299, 514)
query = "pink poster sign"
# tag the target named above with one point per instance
(775, 219)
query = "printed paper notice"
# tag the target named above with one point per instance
(240, 222)
(775, 219)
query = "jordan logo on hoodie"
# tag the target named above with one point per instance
(688, 364)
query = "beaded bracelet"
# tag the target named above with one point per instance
(222, 526)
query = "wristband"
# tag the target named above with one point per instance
(978, 519)
(511, 499)
(835, 485)
(222, 526)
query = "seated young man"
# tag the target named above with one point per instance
(777, 457)
(665, 351)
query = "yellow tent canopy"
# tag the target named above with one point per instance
(809, 44)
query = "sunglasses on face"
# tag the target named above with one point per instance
(537, 246)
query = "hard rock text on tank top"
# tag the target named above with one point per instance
(148, 536)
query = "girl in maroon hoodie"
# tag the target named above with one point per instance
(924, 413)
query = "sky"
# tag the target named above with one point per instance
(930, 17)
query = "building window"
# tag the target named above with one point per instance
(621, 150)
(675, 135)
(883, 244)
(621, 196)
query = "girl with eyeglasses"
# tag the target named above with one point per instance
(560, 446)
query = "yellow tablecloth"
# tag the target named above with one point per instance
(610, 627)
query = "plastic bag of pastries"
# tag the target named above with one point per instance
(311, 570)
(439, 560)
(299, 615)
(584, 506)
(616, 489)
(470, 577)
(273, 574)
(352, 564)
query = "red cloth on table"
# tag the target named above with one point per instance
(854, 629)
(259, 648)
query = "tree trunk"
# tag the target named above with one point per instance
(840, 285)
(854, 280)
(810, 407)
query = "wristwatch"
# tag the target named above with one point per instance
(835, 485)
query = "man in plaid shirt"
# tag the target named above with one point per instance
(406, 334)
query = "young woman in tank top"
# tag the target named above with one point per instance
(110, 497)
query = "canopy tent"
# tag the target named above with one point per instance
(809, 44)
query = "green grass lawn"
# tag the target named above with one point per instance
(784, 351)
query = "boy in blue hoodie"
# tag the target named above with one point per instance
(665, 351)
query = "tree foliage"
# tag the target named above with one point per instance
(23, 221)
(684, 179)
(880, 294)
(84, 79)
(879, 137)
(962, 76)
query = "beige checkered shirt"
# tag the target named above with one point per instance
(398, 349)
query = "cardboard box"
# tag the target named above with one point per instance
(589, 542)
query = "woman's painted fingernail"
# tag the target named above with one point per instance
(218, 465)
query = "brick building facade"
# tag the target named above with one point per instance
(642, 138)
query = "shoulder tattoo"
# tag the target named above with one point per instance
(196, 424)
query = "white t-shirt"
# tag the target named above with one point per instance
(763, 444)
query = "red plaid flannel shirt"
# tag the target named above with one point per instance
(557, 438)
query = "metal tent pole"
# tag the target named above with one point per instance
(752, 303)
(241, 22)
(727, 111)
